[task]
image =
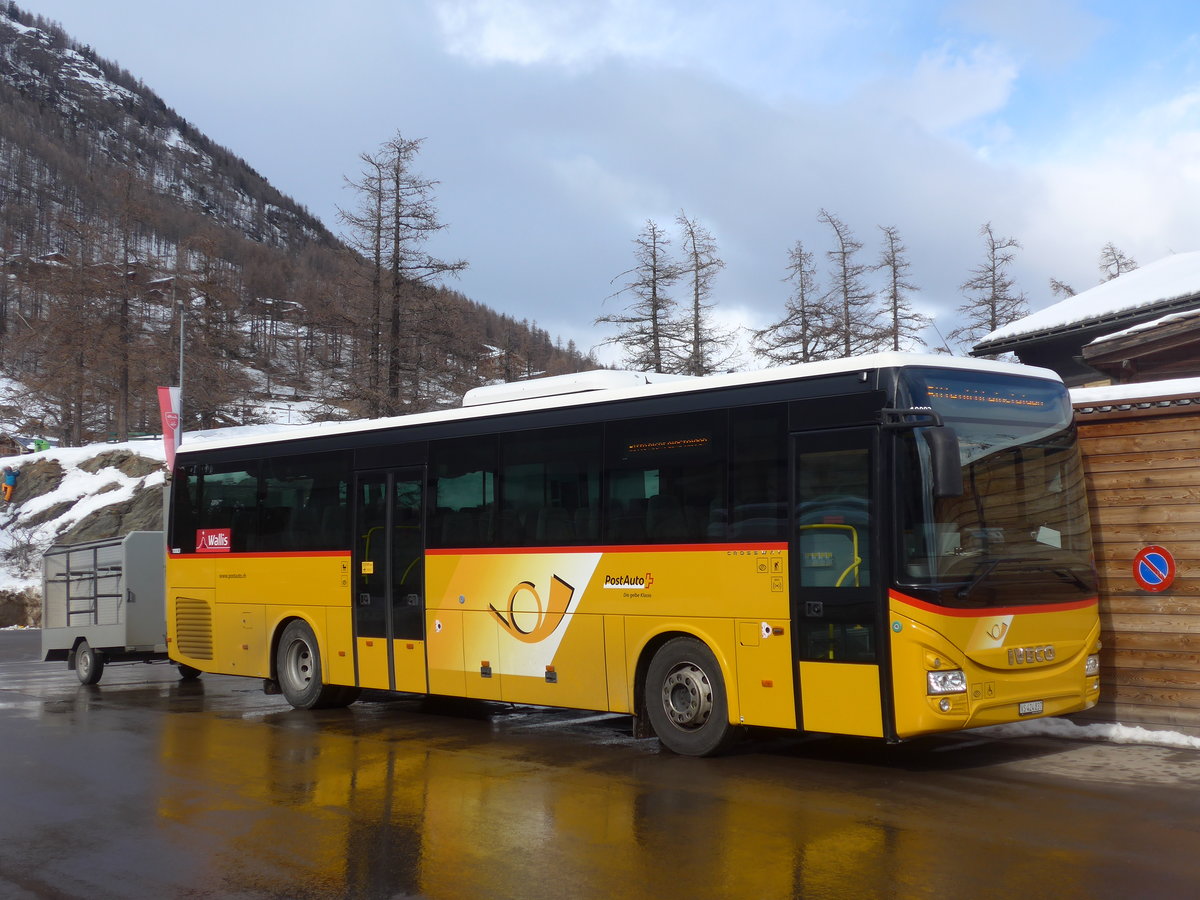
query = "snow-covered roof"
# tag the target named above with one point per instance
(1114, 394)
(1171, 281)
(1168, 319)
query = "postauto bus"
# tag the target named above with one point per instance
(887, 546)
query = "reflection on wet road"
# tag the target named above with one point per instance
(145, 786)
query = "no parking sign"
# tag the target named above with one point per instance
(1154, 568)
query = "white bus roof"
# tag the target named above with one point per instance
(581, 389)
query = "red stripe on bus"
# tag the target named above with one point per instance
(993, 610)
(623, 548)
(290, 554)
(480, 551)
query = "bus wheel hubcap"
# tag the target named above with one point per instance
(687, 696)
(300, 663)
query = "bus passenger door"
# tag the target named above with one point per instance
(836, 592)
(389, 593)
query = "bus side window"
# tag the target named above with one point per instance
(667, 479)
(305, 503)
(186, 511)
(549, 487)
(463, 475)
(227, 499)
(758, 438)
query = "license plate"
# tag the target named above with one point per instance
(1030, 708)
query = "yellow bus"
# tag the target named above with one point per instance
(887, 546)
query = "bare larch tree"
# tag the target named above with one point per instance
(992, 297)
(395, 217)
(647, 329)
(1114, 263)
(707, 348)
(859, 329)
(804, 334)
(904, 324)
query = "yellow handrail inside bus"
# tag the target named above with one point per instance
(857, 560)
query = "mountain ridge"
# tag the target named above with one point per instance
(122, 227)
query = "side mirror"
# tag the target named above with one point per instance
(946, 461)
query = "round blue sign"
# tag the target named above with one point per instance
(1154, 568)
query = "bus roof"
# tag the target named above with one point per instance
(603, 386)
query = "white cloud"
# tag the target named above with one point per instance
(568, 33)
(611, 194)
(1133, 180)
(1050, 32)
(948, 89)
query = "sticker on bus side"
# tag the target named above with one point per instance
(213, 540)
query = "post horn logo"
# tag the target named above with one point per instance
(528, 619)
(997, 631)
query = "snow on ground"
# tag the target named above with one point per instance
(1170, 278)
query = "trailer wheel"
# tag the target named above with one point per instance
(89, 663)
(298, 662)
(685, 699)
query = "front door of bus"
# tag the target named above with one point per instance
(836, 592)
(389, 589)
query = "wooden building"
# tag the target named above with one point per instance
(1141, 448)
(1168, 347)
(1058, 336)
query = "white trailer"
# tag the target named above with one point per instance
(103, 601)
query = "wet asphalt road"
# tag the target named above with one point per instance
(144, 786)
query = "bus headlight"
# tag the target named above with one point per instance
(952, 681)
(1092, 666)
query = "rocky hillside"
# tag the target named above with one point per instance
(69, 496)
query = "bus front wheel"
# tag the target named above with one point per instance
(685, 699)
(298, 664)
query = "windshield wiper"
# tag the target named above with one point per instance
(987, 566)
(1068, 575)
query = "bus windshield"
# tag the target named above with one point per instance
(1023, 512)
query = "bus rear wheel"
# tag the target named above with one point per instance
(686, 701)
(298, 665)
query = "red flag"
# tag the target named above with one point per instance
(172, 428)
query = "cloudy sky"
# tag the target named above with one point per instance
(558, 127)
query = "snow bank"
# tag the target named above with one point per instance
(1114, 733)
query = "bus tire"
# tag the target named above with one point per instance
(89, 663)
(686, 701)
(298, 665)
(188, 673)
